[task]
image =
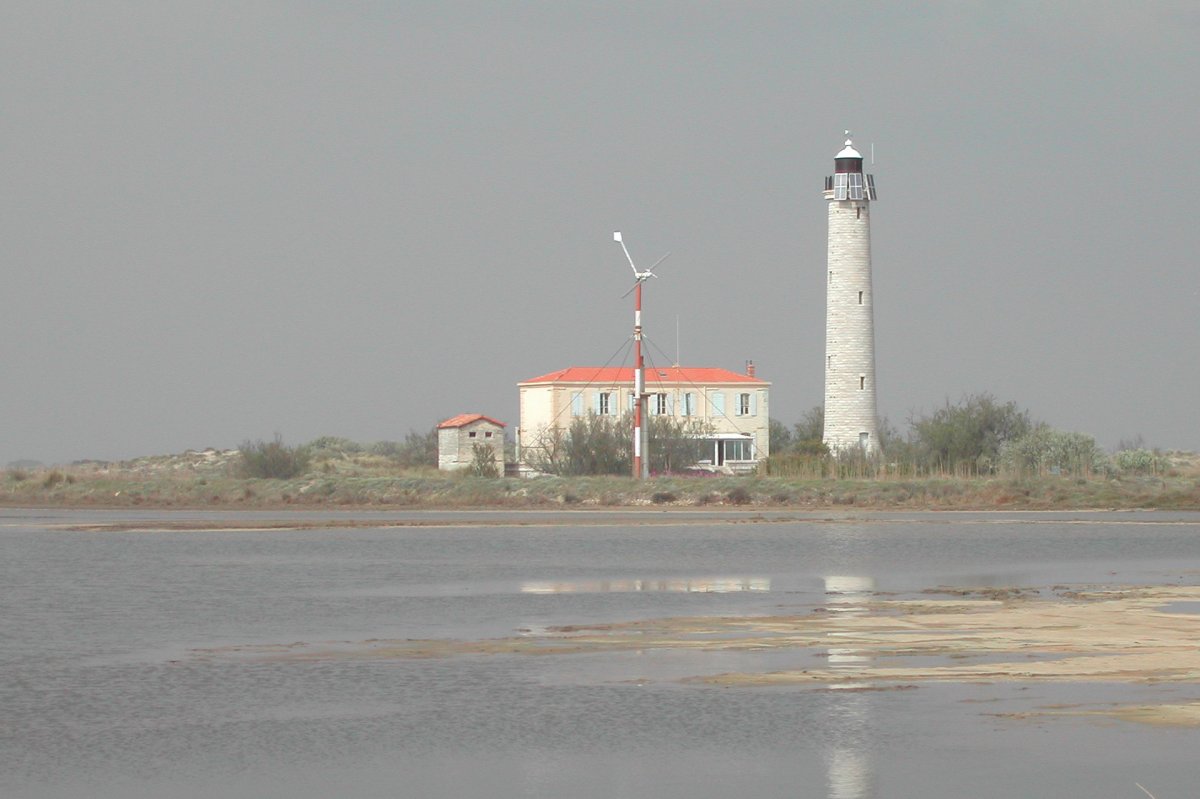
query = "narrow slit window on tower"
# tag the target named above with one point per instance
(831, 277)
(860, 298)
(862, 382)
(858, 212)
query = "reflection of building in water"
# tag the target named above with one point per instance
(704, 585)
(849, 593)
(848, 760)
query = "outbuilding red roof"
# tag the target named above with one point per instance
(613, 375)
(464, 419)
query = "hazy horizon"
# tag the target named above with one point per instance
(227, 220)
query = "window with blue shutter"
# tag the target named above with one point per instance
(577, 404)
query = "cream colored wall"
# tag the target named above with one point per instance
(544, 406)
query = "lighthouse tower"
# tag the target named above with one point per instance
(850, 415)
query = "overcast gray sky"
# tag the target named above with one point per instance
(223, 220)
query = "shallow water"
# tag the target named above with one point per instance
(105, 689)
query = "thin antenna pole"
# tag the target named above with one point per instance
(872, 153)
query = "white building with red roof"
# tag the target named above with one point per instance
(732, 407)
(459, 435)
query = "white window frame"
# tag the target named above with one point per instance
(743, 446)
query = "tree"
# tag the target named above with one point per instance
(779, 436)
(592, 444)
(968, 436)
(810, 432)
(675, 444)
(597, 444)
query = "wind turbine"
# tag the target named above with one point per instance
(641, 443)
(638, 277)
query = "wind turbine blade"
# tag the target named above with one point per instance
(631, 288)
(627, 257)
(659, 261)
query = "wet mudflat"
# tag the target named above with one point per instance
(469, 654)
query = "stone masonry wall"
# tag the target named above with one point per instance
(850, 408)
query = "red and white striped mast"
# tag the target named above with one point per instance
(641, 438)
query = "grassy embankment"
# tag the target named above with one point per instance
(209, 480)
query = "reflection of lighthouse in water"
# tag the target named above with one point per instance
(848, 761)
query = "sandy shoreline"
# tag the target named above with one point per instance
(1132, 635)
(458, 518)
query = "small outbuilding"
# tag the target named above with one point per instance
(459, 435)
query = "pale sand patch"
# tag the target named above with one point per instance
(1185, 714)
(1065, 634)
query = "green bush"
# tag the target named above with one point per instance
(738, 495)
(483, 461)
(272, 460)
(416, 451)
(1048, 451)
(1140, 461)
(336, 446)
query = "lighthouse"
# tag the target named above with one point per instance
(850, 413)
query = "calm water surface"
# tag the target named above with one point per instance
(103, 692)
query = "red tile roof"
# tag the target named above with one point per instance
(615, 375)
(464, 419)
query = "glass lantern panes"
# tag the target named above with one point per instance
(856, 185)
(839, 186)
